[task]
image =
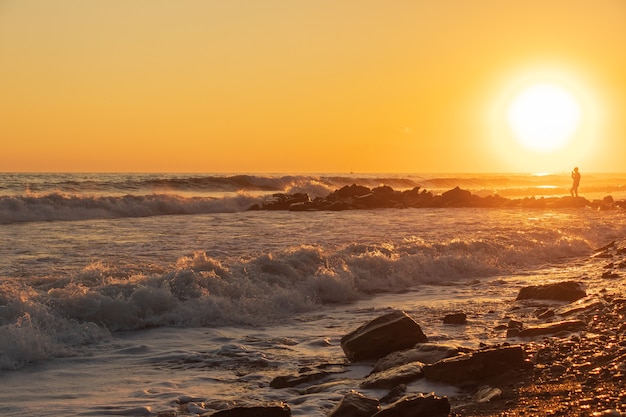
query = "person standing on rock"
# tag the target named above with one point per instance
(576, 178)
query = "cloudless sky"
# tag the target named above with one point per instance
(303, 86)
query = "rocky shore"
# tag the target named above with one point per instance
(355, 197)
(564, 354)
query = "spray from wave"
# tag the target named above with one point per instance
(53, 317)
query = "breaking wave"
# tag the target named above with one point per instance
(54, 317)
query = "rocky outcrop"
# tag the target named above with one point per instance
(358, 197)
(389, 333)
(561, 291)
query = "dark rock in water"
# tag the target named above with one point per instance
(475, 367)
(422, 352)
(394, 395)
(286, 381)
(358, 197)
(349, 192)
(552, 328)
(456, 198)
(455, 318)
(355, 404)
(275, 410)
(392, 377)
(386, 334)
(283, 201)
(418, 405)
(561, 291)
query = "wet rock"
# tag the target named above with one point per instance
(284, 201)
(486, 394)
(552, 328)
(390, 378)
(422, 352)
(456, 197)
(286, 381)
(476, 367)
(419, 405)
(394, 394)
(270, 410)
(583, 305)
(355, 404)
(561, 291)
(354, 197)
(455, 318)
(389, 333)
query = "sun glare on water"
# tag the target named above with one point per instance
(544, 117)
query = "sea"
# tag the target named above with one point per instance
(143, 294)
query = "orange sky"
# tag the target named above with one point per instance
(302, 86)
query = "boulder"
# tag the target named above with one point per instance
(561, 291)
(476, 367)
(392, 377)
(389, 333)
(422, 352)
(355, 404)
(417, 405)
(270, 410)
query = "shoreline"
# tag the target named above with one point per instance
(573, 373)
(564, 371)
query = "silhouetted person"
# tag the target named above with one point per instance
(576, 183)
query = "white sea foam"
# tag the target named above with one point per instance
(51, 314)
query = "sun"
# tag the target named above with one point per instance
(544, 117)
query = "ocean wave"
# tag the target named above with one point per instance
(49, 317)
(54, 207)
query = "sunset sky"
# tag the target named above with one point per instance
(308, 86)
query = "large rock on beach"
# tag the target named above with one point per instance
(422, 352)
(389, 333)
(355, 404)
(561, 291)
(476, 367)
(418, 405)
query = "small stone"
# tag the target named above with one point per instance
(455, 318)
